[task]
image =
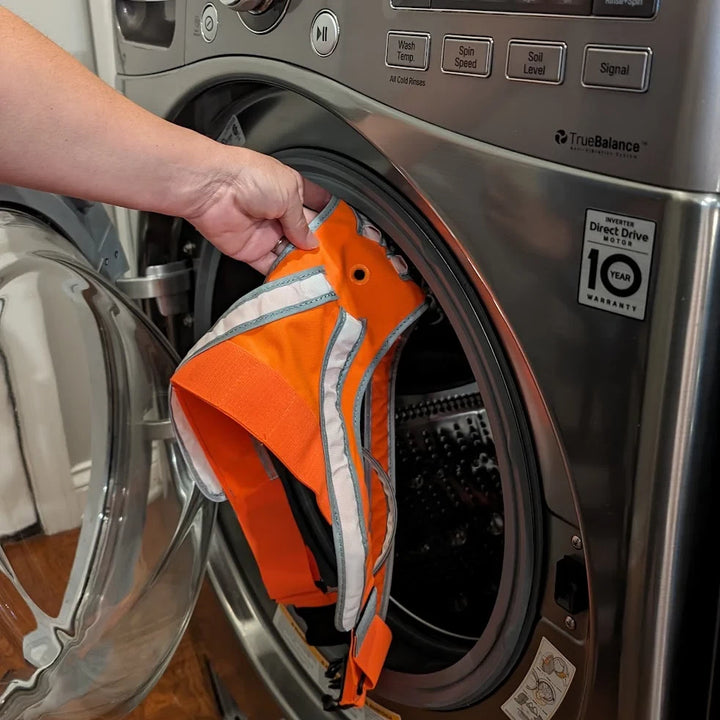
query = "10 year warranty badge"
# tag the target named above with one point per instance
(616, 262)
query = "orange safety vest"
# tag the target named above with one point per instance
(303, 367)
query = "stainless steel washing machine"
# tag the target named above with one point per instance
(549, 170)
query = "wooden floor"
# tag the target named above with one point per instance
(184, 692)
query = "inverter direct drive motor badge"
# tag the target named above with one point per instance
(299, 375)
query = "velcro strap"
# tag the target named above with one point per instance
(365, 663)
(370, 655)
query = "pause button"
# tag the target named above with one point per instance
(324, 33)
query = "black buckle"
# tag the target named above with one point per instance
(336, 674)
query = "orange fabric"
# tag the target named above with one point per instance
(373, 651)
(267, 383)
(365, 663)
(259, 502)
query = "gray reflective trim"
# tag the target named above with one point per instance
(367, 423)
(385, 595)
(266, 319)
(324, 214)
(391, 408)
(343, 621)
(391, 526)
(358, 221)
(210, 339)
(389, 340)
(364, 384)
(337, 532)
(368, 613)
(353, 469)
(283, 254)
(272, 285)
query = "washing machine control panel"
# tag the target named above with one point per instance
(605, 8)
(614, 86)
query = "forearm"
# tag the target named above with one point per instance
(63, 130)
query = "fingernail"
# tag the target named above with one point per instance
(312, 241)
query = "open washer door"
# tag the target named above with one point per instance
(103, 538)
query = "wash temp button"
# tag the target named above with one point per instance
(536, 62)
(467, 56)
(617, 68)
(407, 50)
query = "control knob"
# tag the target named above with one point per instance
(255, 6)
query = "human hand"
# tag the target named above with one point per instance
(252, 203)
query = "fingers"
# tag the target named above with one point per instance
(264, 264)
(314, 196)
(309, 214)
(259, 242)
(269, 237)
(293, 221)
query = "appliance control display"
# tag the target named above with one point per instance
(536, 62)
(605, 8)
(467, 56)
(324, 33)
(407, 50)
(617, 68)
(606, 67)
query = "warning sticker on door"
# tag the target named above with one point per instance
(616, 262)
(316, 665)
(544, 686)
(232, 133)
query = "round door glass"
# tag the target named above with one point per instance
(103, 540)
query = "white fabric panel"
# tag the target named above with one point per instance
(391, 509)
(204, 474)
(351, 553)
(268, 301)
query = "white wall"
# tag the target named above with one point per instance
(102, 19)
(66, 22)
(85, 29)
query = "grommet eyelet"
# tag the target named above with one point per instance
(359, 274)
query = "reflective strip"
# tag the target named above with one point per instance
(324, 214)
(193, 454)
(366, 618)
(282, 298)
(389, 491)
(384, 349)
(347, 511)
(283, 254)
(269, 302)
(385, 594)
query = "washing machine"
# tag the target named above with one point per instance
(549, 170)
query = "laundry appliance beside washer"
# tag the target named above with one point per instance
(103, 538)
(549, 171)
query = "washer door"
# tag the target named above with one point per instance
(103, 538)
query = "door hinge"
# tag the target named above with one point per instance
(169, 284)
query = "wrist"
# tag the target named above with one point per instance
(198, 177)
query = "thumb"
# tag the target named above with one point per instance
(296, 228)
